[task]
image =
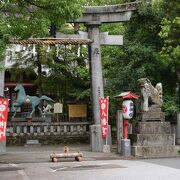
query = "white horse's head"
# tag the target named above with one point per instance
(18, 87)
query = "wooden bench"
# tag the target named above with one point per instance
(55, 156)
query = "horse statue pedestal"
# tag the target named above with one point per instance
(154, 114)
(48, 118)
(29, 120)
(33, 101)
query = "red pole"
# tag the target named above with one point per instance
(125, 130)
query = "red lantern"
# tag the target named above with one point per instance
(128, 109)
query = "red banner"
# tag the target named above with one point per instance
(3, 118)
(104, 104)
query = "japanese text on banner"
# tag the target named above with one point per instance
(3, 118)
(104, 116)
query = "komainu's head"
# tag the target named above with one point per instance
(143, 81)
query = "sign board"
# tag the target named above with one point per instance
(79, 110)
(104, 104)
(3, 118)
(58, 108)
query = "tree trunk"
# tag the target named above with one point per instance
(178, 75)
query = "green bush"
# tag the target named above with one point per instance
(170, 107)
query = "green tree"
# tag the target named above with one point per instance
(170, 33)
(32, 18)
(139, 55)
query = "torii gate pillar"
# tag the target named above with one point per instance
(97, 89)
(95, 69)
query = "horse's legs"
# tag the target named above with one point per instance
(15, 111)
(33, 109)
(40, 111)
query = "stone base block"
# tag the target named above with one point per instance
(156, 151)
(32, 143)
(178, 141)
(154, 127)
(2, 148)
(33, 119)
(96, 140)
(125, 147)
(153, 139)
(153, 116)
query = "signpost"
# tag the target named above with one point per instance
(104, 116)
(104, 106)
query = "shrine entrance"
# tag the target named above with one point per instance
(92, 17)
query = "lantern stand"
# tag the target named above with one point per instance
(127, 114)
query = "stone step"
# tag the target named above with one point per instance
(152, 139)
(156, 151)
(154, 127)
(33, 143)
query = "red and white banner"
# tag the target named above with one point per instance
(3, 118)
(104, 105)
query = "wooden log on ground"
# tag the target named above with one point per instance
(78, 156)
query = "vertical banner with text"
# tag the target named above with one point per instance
(3, 118)
(104, 105)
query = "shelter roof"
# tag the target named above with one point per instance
(127, 95)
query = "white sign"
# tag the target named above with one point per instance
(58, 108)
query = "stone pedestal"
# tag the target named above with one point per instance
(154, 114)
(125, 147)
(154, 140)
(96, 140)
(178, 130)
(2, 147)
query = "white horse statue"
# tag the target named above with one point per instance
(22, 98)
(150, 93)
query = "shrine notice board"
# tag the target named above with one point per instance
(77, 111)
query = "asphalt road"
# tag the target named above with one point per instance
(34, 164)
(169, 162)
(156, 169)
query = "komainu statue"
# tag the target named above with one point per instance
(151, 95)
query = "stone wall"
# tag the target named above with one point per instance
(48, 133)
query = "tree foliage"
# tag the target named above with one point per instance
(170, 28)
(141, 55)
(32, 18)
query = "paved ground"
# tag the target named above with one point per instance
(169, 162)
(22, 163)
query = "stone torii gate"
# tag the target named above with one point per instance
(93, 17)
